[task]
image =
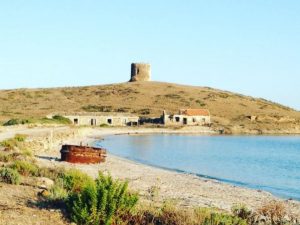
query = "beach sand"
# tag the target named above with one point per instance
(157, 185)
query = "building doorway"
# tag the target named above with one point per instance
(184, 120)
(93, 122)
(76, 121)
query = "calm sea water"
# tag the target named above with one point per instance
(270, 163)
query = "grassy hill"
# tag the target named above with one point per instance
(228, 110)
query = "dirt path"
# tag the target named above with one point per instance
(9, 132)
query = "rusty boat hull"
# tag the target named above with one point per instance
(82, 154)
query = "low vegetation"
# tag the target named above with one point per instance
(59, 119)
(105, 201)
(97, 108)
(75, 181)
(13, 143)
(9, 176)
(12, 122)
(56, 119)
(227, 109)
(102, 202)
(25, 168)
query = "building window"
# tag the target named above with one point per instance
(203, 120)
(177, 119)
(194, 120)
(93, 122)
(75, 121)
(109, 121)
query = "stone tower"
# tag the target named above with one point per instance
(140, 72)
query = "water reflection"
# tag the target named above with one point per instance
(261, 162)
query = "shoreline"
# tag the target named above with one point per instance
(155, 185)
(203, 191)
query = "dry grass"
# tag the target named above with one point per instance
(149, 98)
(275, 211)
(17, 206)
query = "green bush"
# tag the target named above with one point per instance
(97, 108)
(25, 168)
(20, 137)
(14, 142)
(241, 211)
(9, 176)
(5, 157)
(9, 144)
(27, 153)
(61, 119)
(12, 122)
(103, 202)
(57, 192)
(223, 219)
(75, 180)
(52, 173)
(172, 214)
(201, 103)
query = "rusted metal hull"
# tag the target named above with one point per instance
(82, 154)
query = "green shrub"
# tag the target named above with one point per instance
(75, 180)
(25, 168)
(241, 211)
(20, 137)
(27, 152)
(9, 144)
(103, 202)
(61, 119)
(5, 157)
(104, 125)
(14, 142)
(12, 122)
(97, 108)
(52, 173)
(172, 214)
(9, 176)
(202, 104)
(57, 192)
(223, 219)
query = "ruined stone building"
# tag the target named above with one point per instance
(189, 117)
(98, 119)
(140, 72)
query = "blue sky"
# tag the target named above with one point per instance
(250, 47)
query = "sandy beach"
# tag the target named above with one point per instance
(156, 185)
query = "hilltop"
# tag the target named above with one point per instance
(234, 112)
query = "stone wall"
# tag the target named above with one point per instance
(100, 120)
(185, 120)
(140, 72)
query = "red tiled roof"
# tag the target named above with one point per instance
(195, 112)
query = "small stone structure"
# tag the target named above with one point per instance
(95, 119)
(82, 154)
(188, 117)
(140, 72)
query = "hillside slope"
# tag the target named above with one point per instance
(228, 110)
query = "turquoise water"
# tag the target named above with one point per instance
(270, 163)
